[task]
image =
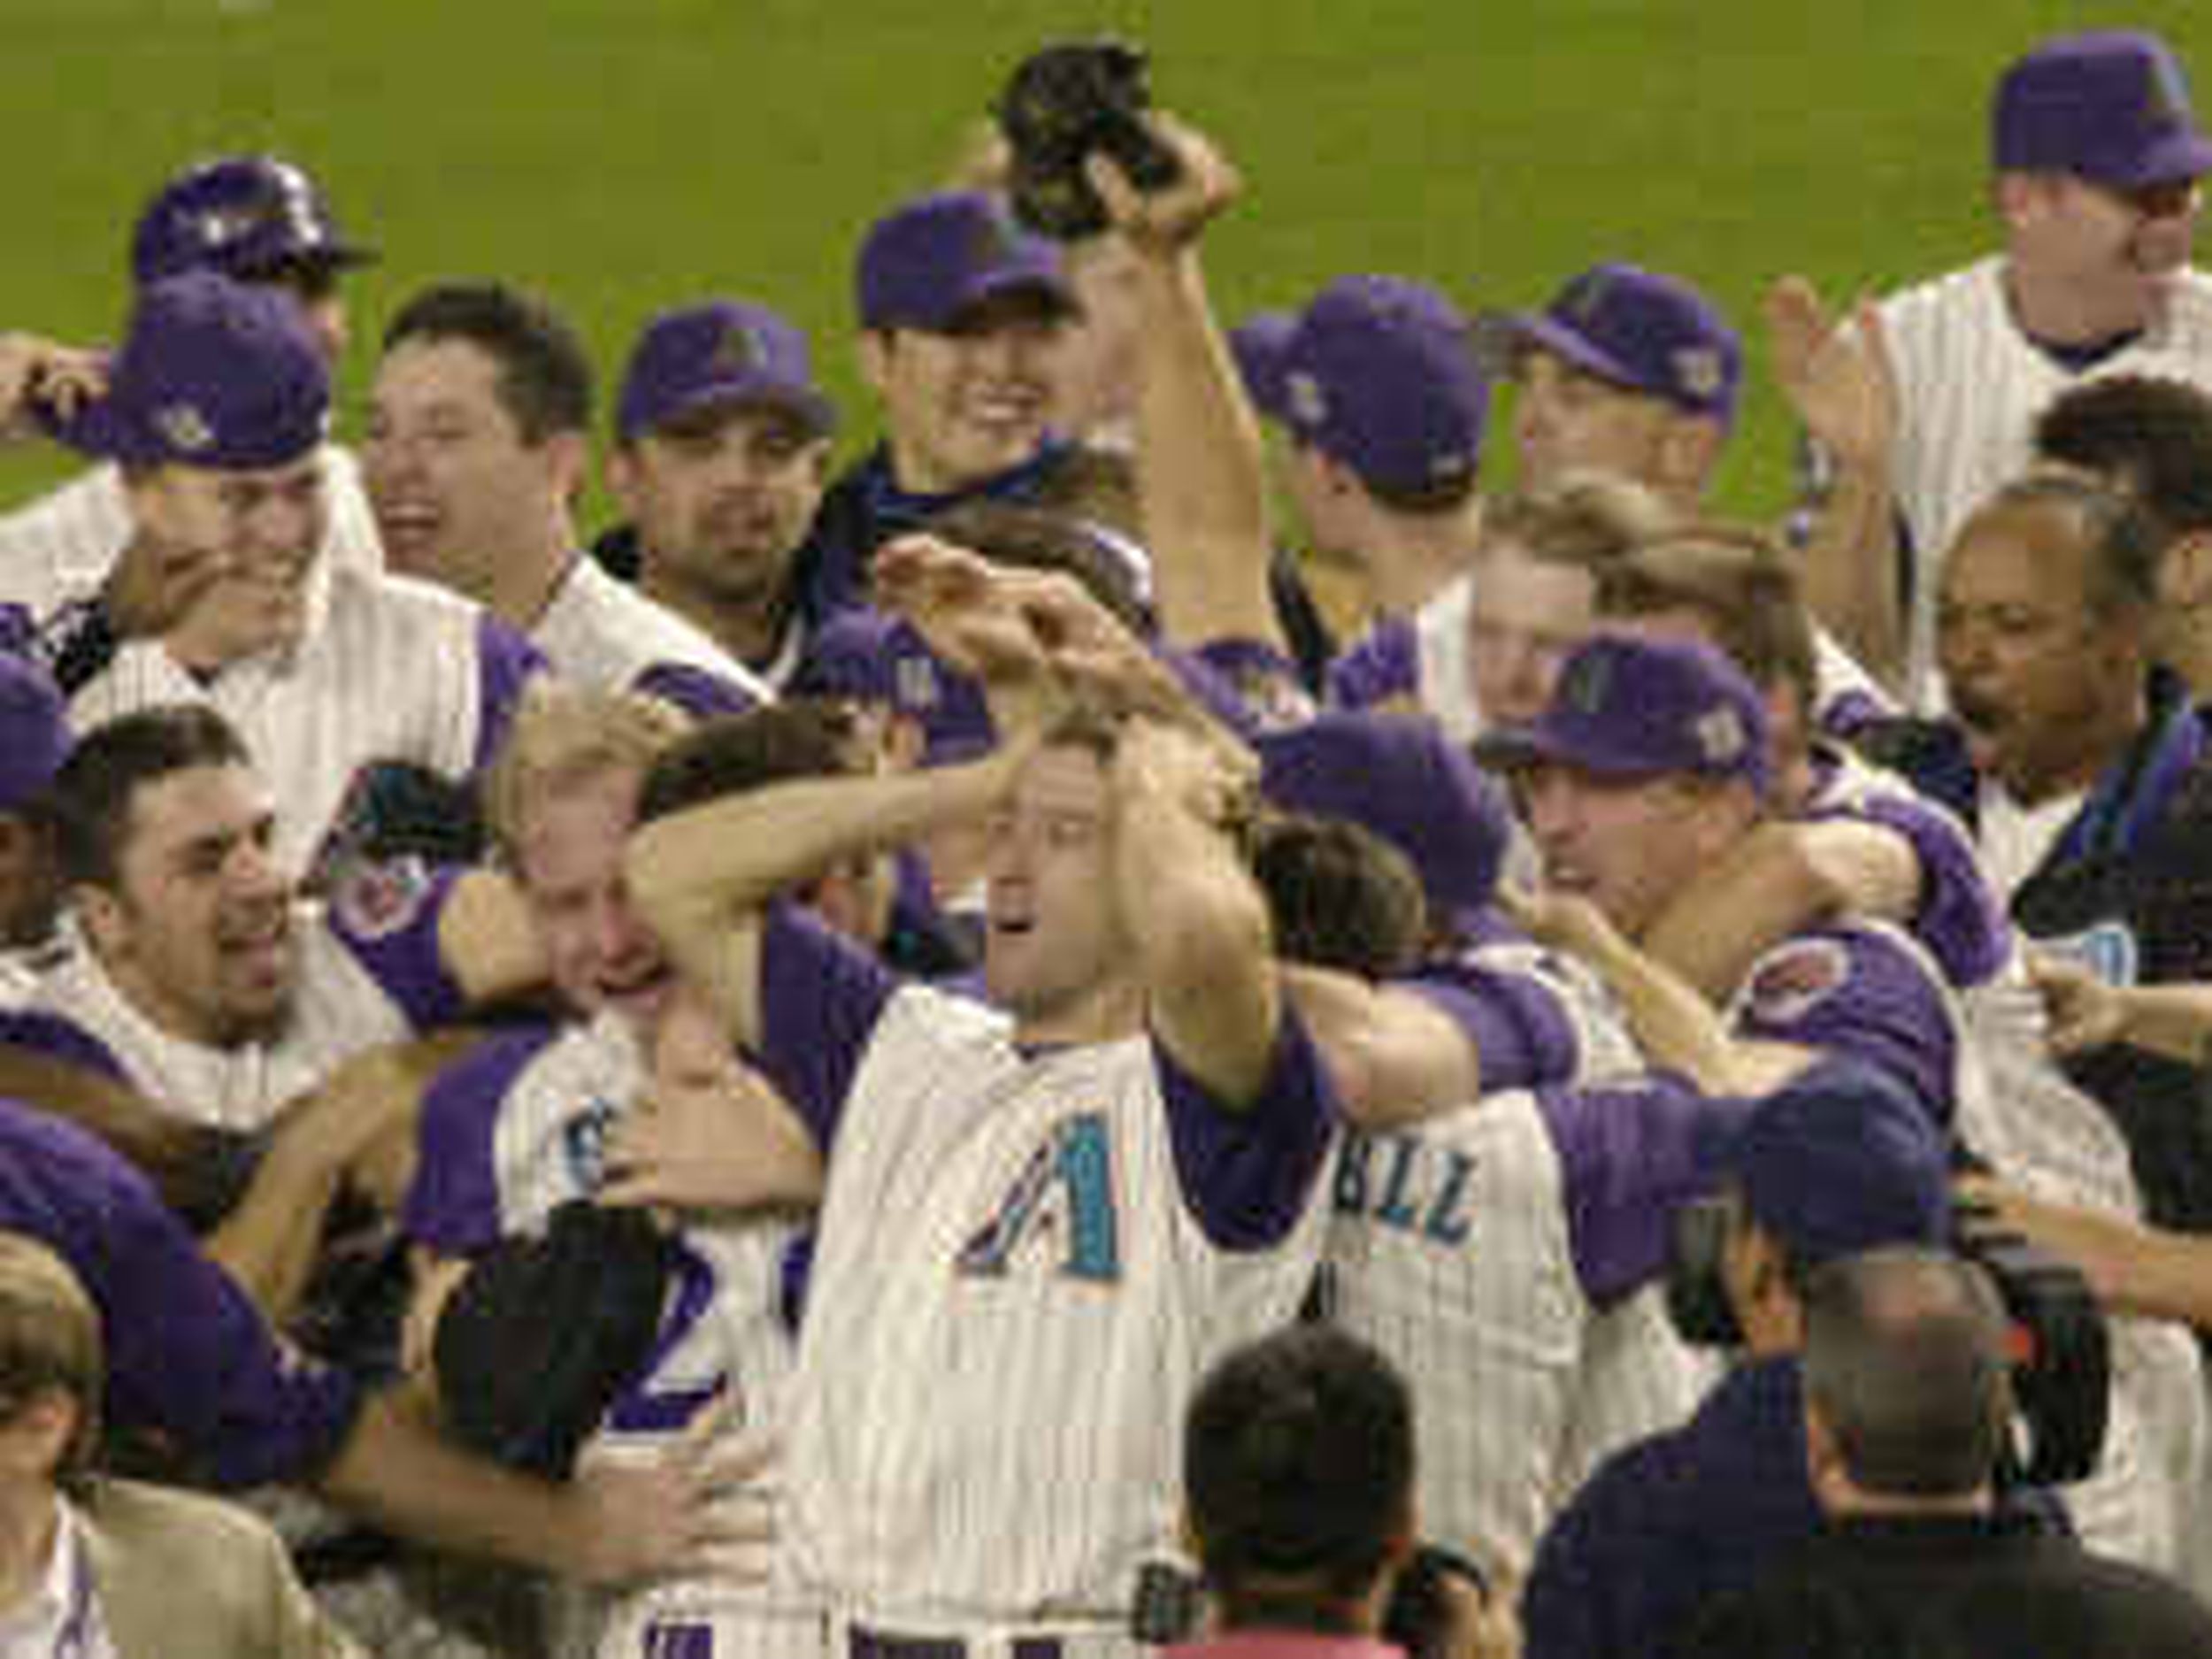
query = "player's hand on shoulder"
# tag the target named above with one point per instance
(1164, 220)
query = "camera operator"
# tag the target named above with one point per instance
(1840, 1160)
(1908, 1411)
(1298, 1459)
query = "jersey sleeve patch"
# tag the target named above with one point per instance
(1796, 979)
(377, 901)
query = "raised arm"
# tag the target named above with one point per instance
(702, 877)
(1201, 462)
(1196, 916)
(1838, 378)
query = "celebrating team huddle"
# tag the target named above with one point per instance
(717, 1089)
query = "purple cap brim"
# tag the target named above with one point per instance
(1533, 328)
(1261, 347)
(1513, 748)
(809, 406)
(2182, 154)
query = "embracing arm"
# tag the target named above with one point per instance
(1782, 877)
(701, 878)
(1394, 1057)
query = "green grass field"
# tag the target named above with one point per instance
(625, 153)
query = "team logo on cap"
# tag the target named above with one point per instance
(2167, 97)
(1698, 371)
(1308, 403)
(1587, 683)
(996, 241)
(183, 428)
(1582, 301)
(1720, 735)
(735, 352)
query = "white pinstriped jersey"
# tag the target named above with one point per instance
(1452, 1250)
(388, 669)
(516, 1130)
(365, 980)
(1969, 385)
(1013, 1296)
(56, 551)
(602, 633)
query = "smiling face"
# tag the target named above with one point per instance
(459, 489)
(963, 406)
(197, 930)
(568, 858)
(261, 527)
(1056, 956)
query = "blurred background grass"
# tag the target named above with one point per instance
(622, 155)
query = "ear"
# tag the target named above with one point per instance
(622, 478)
(2184, 572)
(1824, 1457)
(568, 460)
(872, 353)
(102, 916)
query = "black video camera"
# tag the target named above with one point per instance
(2061, 1352)
(1065, 103)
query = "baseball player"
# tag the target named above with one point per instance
(2098, 160)
(1055, 1214)
(258, 219)
(478, 444)
(722, 446)
(215, 407)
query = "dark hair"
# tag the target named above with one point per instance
(1905, 1362)
(1298, 1469)
(2120, 539)
(51, 1342)
(1740, 583)
(1339, 895)
(2149, 437)
(545, 380)
(731, 755)
(1045, 539)
(88, 806)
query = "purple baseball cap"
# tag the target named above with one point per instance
(1628, 707)
(721, 352)
(927, 264)
(1842, 1158)
(245, 216)
(2111, 105)
(213, 374)
(1399, 776)
(1377, 373)
(1640, 329)
(33, 730)
(884, 662)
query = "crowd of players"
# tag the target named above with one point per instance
(747, 1068)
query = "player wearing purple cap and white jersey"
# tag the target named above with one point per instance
(214, 407)
(260, 221)
(478, 446)
(2098, 162)
(722, 446)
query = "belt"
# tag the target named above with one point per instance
(861, 1643)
